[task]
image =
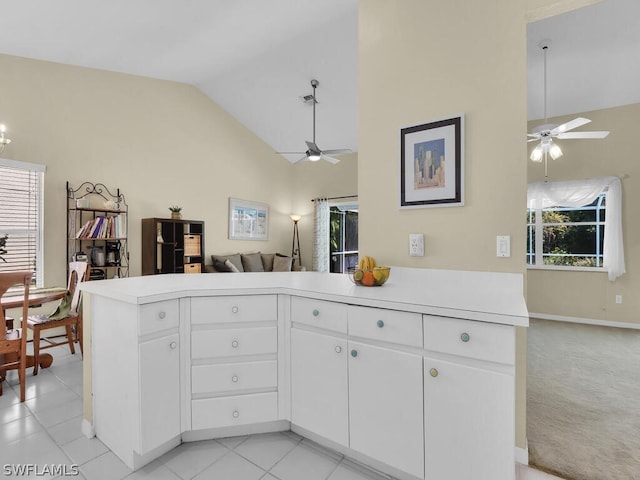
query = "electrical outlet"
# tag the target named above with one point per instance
(618, 298)
(416, 245)
(503, 245)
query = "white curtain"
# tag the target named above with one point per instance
(321, 235)
(577, 193)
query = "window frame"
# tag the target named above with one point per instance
(342, 252)
(40, 170)
(536, 229)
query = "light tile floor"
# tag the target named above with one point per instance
(45, 431)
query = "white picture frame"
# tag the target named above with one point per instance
(248, 220)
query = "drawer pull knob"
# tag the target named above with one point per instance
(234, 344)
(173, 345)
(234, 379)
(161, 315)
(433, 372)
(316, 313)
(234, 309)
(354, 353)
(380, 324)
(236, 414)
(465, 337)
(338, 349)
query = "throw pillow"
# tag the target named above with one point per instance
(236, 259)
(282, 264)
(267, 261)
(252, 262)
(219, 266)
(231, 266)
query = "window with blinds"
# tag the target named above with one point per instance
(21, 206)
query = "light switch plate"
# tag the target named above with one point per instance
(416, 245)
(503, 245)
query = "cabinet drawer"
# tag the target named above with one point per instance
(484, 341)
(236, 410)
(386, 325)
(233, 341)
(244, 308)
(319, 313)
(158, 316)
(230, 377)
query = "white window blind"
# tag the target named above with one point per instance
(21, 187)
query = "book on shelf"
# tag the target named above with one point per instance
(103, 227)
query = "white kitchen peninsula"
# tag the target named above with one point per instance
(414, 378)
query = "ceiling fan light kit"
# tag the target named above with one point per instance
(547, 132)
(313, 152)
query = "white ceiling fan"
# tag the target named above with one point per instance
(314, 153)
(547, 132)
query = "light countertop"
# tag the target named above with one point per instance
(484, 296)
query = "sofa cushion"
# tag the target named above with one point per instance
(234, 258)
(282, 264)
(252, 262)
(219, 266)
(267, 261)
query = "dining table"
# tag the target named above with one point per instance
(35, 299)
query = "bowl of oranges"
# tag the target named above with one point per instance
(369, 274)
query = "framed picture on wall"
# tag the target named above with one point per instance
(248, 220)
(432, 164)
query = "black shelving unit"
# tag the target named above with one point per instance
(172, 246)
(97, 221)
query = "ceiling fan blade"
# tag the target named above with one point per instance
(329, 159)
(565, 127)
(312, 146)
(300, 160)
(569, 135)
(533, 140)
(290, 153)
(337, 151)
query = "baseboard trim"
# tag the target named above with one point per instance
(87, 428)
(522, 455)
(585, 321)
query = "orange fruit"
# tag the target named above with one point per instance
(368, 279)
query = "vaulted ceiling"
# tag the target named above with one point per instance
(256, 58)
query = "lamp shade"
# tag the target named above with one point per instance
(295, 218)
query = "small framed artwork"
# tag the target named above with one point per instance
(248, 220)
(432, 164)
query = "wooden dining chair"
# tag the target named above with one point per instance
(71, 320)
(13, 343)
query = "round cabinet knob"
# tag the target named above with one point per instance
(316, 313)
(161, 315)
(234, 309)
(380, 324)
(338, 349)
(173, 345)
(234, 344)
(354, 353)
(465, 337)
(236, 414)
(234, 379)
(433, 372)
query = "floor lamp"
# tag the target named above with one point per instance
(295, 246)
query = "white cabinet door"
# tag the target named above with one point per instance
(385, 406)
(319, 391)
(159, 391)
(469, 422)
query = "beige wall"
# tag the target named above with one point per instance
(160, 142)
(590, 294)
